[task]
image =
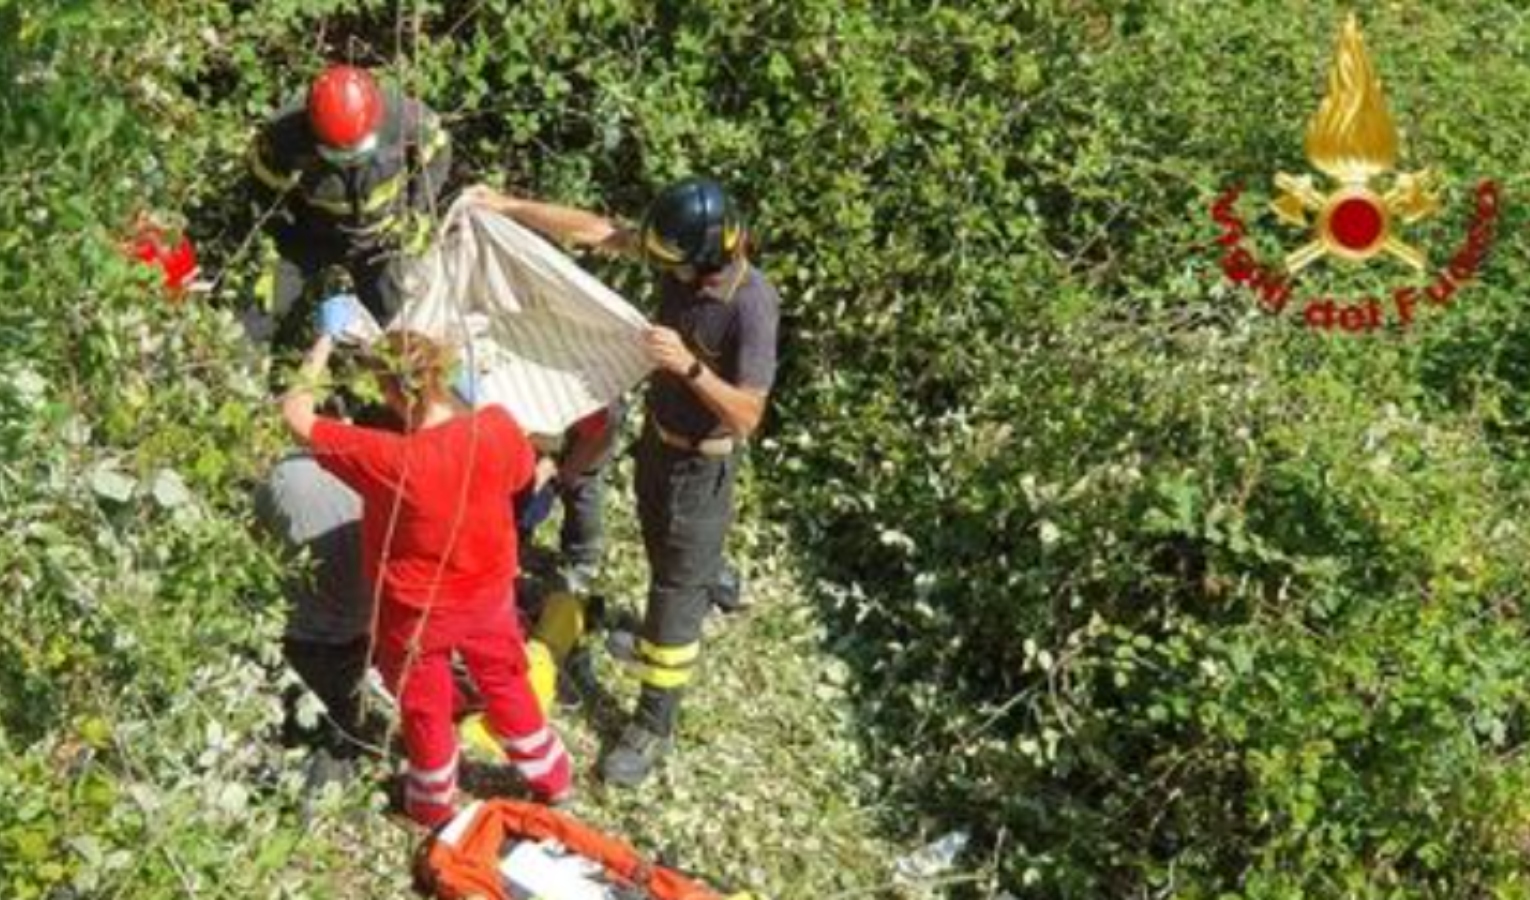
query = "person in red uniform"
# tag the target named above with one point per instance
(438, 538)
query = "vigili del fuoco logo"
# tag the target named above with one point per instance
(1357, 213)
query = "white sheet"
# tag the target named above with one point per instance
(550, 342)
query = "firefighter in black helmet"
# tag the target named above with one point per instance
(714, 349)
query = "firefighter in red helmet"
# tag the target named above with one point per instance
(347, 176)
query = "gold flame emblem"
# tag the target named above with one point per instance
(1353, 140)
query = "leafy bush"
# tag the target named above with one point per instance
(134, 675)
(1166, 596)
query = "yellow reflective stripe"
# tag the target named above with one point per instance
(656, 247)
(418, 230)
(265, 289)
(338, 207)
(663, 678)
(434, 143)
(682, 655)
(380, 197)
(384, 193)
(266, 175)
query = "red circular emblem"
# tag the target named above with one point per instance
(1356, 224)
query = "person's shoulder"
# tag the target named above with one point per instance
(330, 435)
(326, 429)
(413, 118)
(286, 135)
(289, 121)
(757, 293)
(410, 106)
(498, 418)
(500, 431)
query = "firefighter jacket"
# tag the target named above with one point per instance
(386, 201)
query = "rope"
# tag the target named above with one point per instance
(413, 648)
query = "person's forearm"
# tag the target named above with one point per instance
(564, 223)
(316, 362)
(298, 405)
(740, 409)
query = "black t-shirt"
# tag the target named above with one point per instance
(731, 326)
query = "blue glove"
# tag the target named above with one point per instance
(465, 386)
(535, 510)
(336, 314)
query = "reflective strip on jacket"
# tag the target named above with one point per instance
(379, 200)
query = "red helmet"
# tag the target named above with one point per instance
(344, 106)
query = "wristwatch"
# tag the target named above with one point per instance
(694, 372)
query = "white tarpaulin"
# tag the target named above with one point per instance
(550, 342)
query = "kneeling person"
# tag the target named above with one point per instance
(330, 615)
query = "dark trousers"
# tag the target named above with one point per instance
(685, 507)
(582, 537)
(306, 254)
(334, 672)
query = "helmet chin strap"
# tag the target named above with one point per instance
(349, 156)
(735, 256)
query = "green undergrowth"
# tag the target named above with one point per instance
(770, 788)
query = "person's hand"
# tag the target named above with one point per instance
(547, 470)
(479, 195)
(487, 197)
(667, 351)
(336, 315)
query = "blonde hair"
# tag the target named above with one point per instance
(414, 365)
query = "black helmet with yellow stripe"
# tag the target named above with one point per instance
(692, 223)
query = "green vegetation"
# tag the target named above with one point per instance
(1067, 544)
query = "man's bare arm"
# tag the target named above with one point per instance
(563, 223)
(739, 408)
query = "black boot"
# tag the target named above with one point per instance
(728, 593)
(576, 679)
(637, 753)
(645, 741)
